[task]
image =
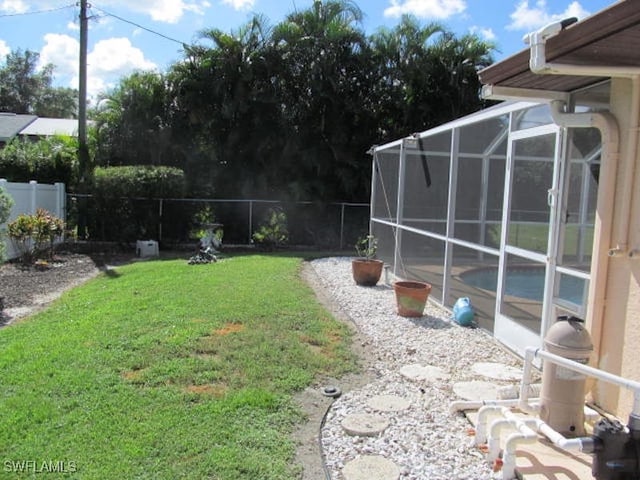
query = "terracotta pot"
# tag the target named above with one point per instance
(411, 297)
(366, 272)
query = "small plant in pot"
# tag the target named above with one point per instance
(366, 268)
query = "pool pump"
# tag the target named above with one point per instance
(616, 450)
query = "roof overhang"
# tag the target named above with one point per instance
(607, 41)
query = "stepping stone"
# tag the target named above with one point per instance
(364, 424)
(421, 372)
(476, 390)
(370, 467)
(388, 403)
(497, 371)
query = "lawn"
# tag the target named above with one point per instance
(164, 370)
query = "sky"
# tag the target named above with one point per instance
(129, 35)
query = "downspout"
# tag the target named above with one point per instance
(608, 127)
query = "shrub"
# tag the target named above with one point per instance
(34, 235)
(273, 232)
(123, 208)
(146, 181)
(52, 159)
(6, 202)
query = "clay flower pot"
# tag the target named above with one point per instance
(411, 297)
(366, 271)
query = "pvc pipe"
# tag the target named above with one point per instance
(592, 372)
(509, 392)
(579, 444)
(509, 419)
(509, 452)
(527, 432)
(460, 405)
(525, 384)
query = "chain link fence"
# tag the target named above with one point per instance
(173, 221)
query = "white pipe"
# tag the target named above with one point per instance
(460, 405)
(608, 127)
(522, 425)
(513, 391)
(525, 384)
(579, 444)
(527, 432)
(592, 372)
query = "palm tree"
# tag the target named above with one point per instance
(324, 89)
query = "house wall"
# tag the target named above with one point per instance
(619, 342)
(27, 198)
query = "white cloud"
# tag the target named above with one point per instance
(62, 51)
(486, 33)
(108, 61)
(167, 11)
(13, 6)
(4, 50)
(240, 4)
(433, 9)
(531, 18)
(116, 56)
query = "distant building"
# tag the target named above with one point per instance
(32, 126)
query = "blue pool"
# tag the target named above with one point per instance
(524, 282)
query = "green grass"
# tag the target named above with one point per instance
(164, 370)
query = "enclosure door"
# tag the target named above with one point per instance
(529, 237)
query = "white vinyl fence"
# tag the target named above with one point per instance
(27, 198)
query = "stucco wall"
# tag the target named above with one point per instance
(619, 342)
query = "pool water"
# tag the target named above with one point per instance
(525, 282)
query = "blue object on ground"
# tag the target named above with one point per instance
(463, 312)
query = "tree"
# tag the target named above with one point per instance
(25, 90)
(133, 123)
(324, 88)
(427, 76)
(288, 112)
(227, 96)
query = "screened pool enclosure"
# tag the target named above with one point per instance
(499, 207)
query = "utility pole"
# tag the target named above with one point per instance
(83, 150)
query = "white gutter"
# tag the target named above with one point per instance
(538, 61)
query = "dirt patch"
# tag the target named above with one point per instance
(26, 289)
(313, 401)
(228, 329)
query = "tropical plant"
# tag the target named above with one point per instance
(34, 235)
(273, 232)
(367, 247)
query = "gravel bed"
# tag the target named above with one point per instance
(425, 441)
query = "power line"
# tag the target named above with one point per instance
(37, 11)
(139, 26)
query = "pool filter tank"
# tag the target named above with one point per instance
(563, 390)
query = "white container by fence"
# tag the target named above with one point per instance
(147, 248)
